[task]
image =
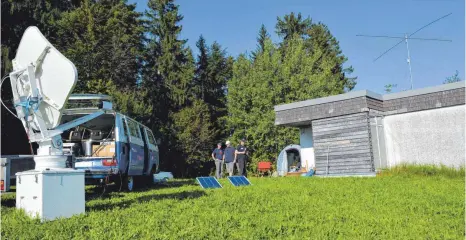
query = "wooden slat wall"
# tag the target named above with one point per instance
(346, 141)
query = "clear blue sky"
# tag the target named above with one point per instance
(235, 24)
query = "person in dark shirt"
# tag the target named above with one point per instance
(240, 156)
(229, 158)
(217, 155)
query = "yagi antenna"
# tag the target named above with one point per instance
(405, 39)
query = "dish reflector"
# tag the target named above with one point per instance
(55, 77)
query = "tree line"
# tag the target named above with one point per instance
(190, 102)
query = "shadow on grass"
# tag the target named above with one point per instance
(169, 184)
(127, 203)
(112, 190)
(10, 201)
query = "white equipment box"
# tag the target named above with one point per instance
(51, 194)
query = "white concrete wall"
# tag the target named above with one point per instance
(307, 148)
(426, 137)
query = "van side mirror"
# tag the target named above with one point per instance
(158, 141)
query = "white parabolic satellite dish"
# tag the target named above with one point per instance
(55, 78)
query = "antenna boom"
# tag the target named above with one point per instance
(394, 46)
(436, 20)
(423, 39)
(406, 37)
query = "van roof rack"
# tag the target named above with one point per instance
(89, 101)
(89, 97)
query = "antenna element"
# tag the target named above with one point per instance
(405, 39)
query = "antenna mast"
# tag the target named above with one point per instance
(405, 39)
(409, 62)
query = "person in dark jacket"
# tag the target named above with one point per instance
(217, 155)
(229, 158)
(240, 154)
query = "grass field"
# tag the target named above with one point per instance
(404, 203)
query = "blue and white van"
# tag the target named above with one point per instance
(110, 148)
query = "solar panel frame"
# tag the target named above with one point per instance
(208, 182)
(239, 181)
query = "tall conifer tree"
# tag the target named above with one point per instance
(168, 72)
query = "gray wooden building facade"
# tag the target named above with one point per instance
(359, 132)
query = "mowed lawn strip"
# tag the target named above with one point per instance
(385, 207)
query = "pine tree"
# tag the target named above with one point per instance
(292, 25)
(108, 46)
(319, 38)
(263, 36)
(168, 73)
(220, 71)
(212, 72)
(172, 62)
(165, 57)
(201, 68)
(195, 135)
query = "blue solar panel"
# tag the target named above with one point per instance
(208, 182)
(239, 181)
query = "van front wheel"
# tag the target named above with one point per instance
(127, 183)
(130, 183)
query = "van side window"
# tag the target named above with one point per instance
(151, 137)
(133, 129)
(125, 129)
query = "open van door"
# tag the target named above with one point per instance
(136, 146)
(153, 152)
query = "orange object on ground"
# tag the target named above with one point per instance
(263, 167)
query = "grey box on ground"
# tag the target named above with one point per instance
(51, 194)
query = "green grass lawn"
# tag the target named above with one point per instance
(392, 206)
